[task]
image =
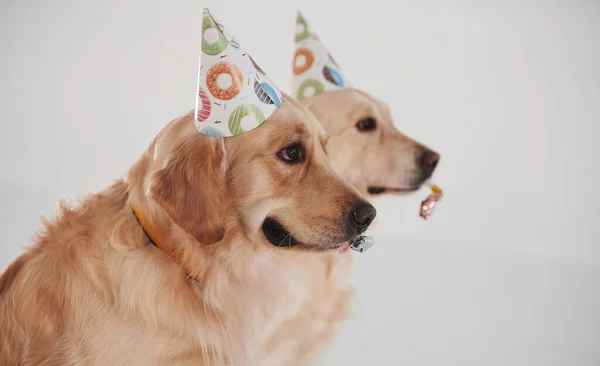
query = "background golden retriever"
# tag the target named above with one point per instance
(221, 214)
(366, 148)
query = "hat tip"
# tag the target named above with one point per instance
(207, 12)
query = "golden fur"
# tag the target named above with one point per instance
(384, 158)
(93, 291)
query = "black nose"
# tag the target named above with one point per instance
(427, 162)
(362, 215)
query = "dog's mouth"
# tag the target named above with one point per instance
(276, 234)
(375, 190)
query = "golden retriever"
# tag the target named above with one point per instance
(366, 149)
(241, 228)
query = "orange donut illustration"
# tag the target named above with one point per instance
(303, 60)
(224, 81)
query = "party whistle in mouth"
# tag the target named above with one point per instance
(362, 243)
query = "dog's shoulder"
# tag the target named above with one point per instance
(11, 272)
(47, 288)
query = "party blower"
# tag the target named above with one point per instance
(364, 242)
(429, 204)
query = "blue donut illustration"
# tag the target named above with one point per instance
(333, 76)
(266, 93)
(209, 131)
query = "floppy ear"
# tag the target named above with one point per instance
(192, 188)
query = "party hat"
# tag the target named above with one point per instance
(315, 70)
(234, 94)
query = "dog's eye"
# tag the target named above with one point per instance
(367, 124)
(292, 154)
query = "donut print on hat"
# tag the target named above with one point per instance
(314, 69)
(234, 95)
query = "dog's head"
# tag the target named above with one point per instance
(274, 182)
(366, 148)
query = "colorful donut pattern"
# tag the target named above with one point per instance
(333, 76)
(245, 118)
(314, 69)
(303, 60)
(309, 88)
(234, 94)
(301, 28)
(213, 40)
(209, 131)
(266, 93)
(204, 110)
(233, 83)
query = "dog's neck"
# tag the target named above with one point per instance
(238, 288)
(174, 204)
(235, 279)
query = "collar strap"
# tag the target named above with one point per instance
(143, 229)
(156, 235)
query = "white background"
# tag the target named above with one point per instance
(507, 272)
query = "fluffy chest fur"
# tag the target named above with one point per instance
(318, 300)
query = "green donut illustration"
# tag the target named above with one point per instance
(235, 120)
(301, 29)
(212, 47)
(309, 83)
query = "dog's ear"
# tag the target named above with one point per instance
(192, 188)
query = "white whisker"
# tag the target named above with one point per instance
(287, 236)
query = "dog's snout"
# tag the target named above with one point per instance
(361, 215)
(430, 158)
(427, 162)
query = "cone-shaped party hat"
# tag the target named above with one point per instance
(234, 94)
(315, 70)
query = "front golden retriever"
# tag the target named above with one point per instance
(236, 225)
